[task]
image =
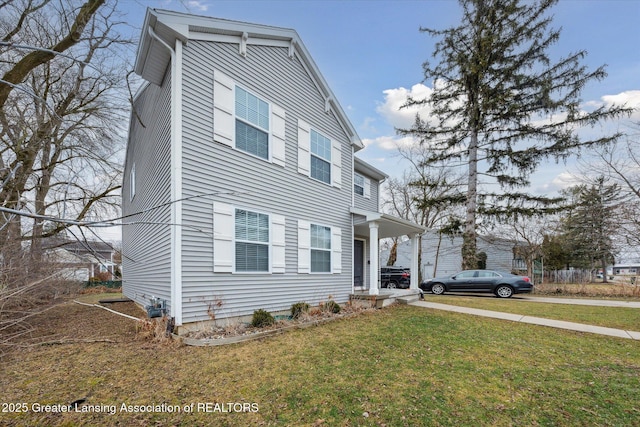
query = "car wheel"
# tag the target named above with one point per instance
(438, 289)
(504, 291)
(392, 285)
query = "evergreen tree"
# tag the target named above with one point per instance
(501, 106)
(592, 223)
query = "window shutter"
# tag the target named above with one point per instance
(278, 135)
(223, 230)
(223, 109)
(304, 247)
(336, 164)
(336, 250)
(367, 188)
(277, 243)
(304, 147)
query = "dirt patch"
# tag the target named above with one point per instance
(68, 322)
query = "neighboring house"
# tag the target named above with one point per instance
(442, 255)
(241, 189)
(82, 260)
(629, 269)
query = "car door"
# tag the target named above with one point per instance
(485, 281)
(461, 281)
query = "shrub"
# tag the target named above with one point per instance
(332, 307)
(298, 308)
(262, 318)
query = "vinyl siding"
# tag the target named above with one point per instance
(216, 173)
(446, 251)
(147, 247)
(371, 203)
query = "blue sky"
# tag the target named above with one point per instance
(371, 53)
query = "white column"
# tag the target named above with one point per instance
(414, 261)
(373, 259)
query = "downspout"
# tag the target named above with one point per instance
(176, 176)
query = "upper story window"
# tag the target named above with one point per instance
(320, 249)
(247, 122)
(252, 241)
(358, 184)
(252, 124)
(320, 157)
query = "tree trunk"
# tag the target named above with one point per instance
(435, 264)
(469, 256)
(393, 252)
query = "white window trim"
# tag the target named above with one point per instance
(366, 185)
(330, 250)
(327, 161)
(224, 241)
(224, 119)
(304, 248)
(304, 154)
(132, 182)
(267, 244)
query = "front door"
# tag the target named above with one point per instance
(358, 264)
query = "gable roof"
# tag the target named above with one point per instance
(162, 28)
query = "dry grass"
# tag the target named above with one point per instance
(401, 366)
(591, 290)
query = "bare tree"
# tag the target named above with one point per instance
(61, 133)
(63, 103)
(424, 194)
(620, 163)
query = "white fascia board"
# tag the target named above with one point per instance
(370, 171)
(322, 84)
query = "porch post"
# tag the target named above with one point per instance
(414, 261)
(373, 259)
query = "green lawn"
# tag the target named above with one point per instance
(611, 317)
(401, 366)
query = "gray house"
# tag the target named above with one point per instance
(442, 256)
(241, 189)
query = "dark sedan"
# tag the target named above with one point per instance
(503, 285)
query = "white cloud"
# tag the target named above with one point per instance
(559, 182)
(191, 6)
(368, 125)
(389, 143)
(629, 98)
(198, 5)
(394, 99)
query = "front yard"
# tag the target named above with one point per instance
(398, 366)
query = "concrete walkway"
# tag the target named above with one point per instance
(542, 321)
(579, 301)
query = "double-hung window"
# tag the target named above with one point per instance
(320, 249)
(252, 124)
(358, 184)
(252, 241)
(320, 157)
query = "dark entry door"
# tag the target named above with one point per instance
(358, 263)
